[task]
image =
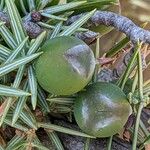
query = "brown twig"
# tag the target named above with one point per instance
(88, 37)
(32, 29)
(121, 23)
(107, 18)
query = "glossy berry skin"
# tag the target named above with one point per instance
(66, 66)
(102, 110)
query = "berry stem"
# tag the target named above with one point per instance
(140, 84)
(87, 144)
(109, 143)
(137, 127)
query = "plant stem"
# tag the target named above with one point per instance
(87, 144)
(96, 57)
(127, 72)
(109, 143)
(135, 81)
(140, 84)
(137, 126)
(140, 76)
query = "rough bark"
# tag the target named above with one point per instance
(119, 22)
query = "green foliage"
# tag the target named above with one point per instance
(21, 95)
